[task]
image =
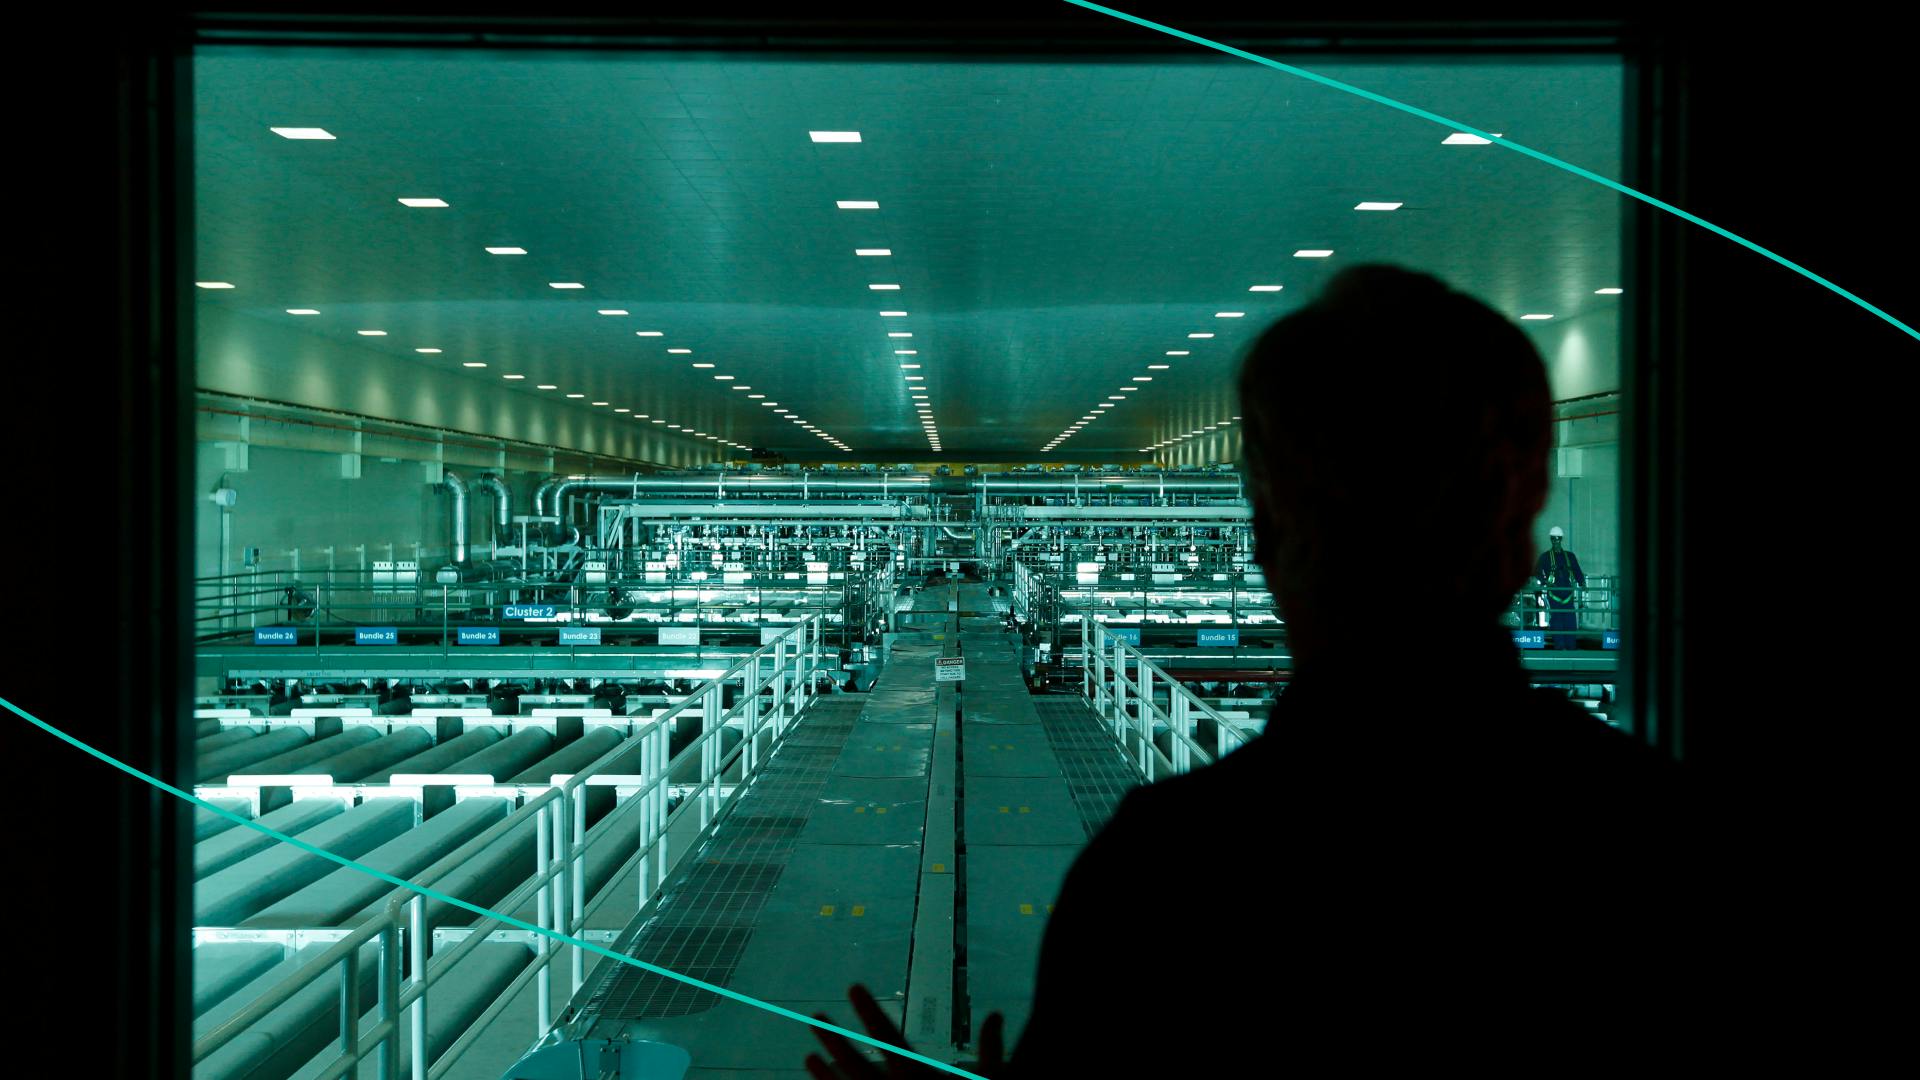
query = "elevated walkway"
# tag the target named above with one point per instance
(910, 839)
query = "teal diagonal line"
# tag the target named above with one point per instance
(475, 908)
(1455, 125)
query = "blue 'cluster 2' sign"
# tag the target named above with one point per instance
(1530, 639)
(580, 635)
(1220, 637)
(376, 635)
(1610, 639)
(275, 635)
(527, 611)
(479, 635)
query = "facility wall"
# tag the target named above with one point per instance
(248, 356)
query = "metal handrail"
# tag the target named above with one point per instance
(1127, 703)
(561, 842)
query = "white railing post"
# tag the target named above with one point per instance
(542, 906)
(577, 888)
(417, 949)
(350, 1011)
(1182, 723)
(390, 996)
(662, 761)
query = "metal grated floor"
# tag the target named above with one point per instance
(1097, 775)
(700, 923)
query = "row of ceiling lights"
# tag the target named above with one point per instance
(925, 410)
(1457, 139)
(437, 203)
(916, 388)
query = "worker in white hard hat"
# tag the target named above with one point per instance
(1559, 573)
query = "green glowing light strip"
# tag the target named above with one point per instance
(477, 909)
(1454, 125)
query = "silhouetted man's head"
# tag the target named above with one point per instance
(1396, 436)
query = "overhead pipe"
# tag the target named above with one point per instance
(722, 483)
(502, 502)
(1099, 483)
(458, 510)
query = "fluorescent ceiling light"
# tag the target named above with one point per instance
(680, 352)
(781, 412)
(372, 333)
(576, 395)
(1313, 253)
(1229, 314)
(214, 284)
(1115, 397)
(1158, 367)
(565, 285)
(1378, 206)
(596, 403)
(546, 386)
(659, 421)
(1608, 292)
(756, 397)
(1199, 335)
(884, 288)
(673, 427)
(473, 363)
(423, 202)
(909, 367)
(301, 133)
(1535, 318)
(1178, 352)
(506, 251)
(647, 333)
(834, 136)
(742, 386)
(623, 410)
(514, 378)
(899, 333)
(906, 352)
(313, 311)
(1265, 288)
(915, 378)
(703, 365)
(873, 251)
(427, 351)
(892, 314)
(857, 204)
(1143, 378)
(613, 311)
(1461, 138)
(724, 378)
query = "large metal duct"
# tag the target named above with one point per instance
(502, 502)
(548, 500)
(1107, 484)
(457, 487)
(543, 494)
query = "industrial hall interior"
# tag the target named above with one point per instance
(669, 526)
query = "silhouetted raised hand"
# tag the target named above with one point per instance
(848, 1064)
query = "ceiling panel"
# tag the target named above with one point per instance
(1055, 227)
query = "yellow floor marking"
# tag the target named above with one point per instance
(858, 910)
(1026, 909)
(879, 809)
(939, 868)
(826, 909)
(1026, 809)
(1006, 809)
